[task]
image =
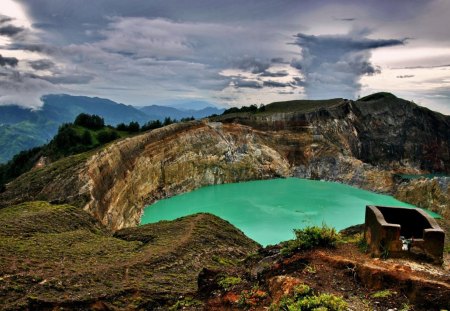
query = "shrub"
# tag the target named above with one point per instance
(383, 294)
(133, 127)
(186, 303)
(187, 119)
(151, 125)
(304, 299)
(311, 237)
(168, 121)
(107, 136)
(86, 138)
(122, 127)
(66, 137)
(228, 282)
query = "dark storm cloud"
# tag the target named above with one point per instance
(298, 81)
(333, 64)
(345, 19)
(278, 60)
(8, 61)
(41, 64)
(10, 30)
(253, 65)
(5, 19)
(32, 47)
(277, 74)
(271, 83)
(243, 83)
(67, 79)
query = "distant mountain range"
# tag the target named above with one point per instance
(23, 128)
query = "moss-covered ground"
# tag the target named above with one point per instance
(55, 256)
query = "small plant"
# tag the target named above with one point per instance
(185, 302)
(384, 251)
(383, 294)
(228, 282)
(446, 248)
(311, 237)
(362, 244)
(304, 299)
(311, 269)
(224, 261)
(251, 297)
(405, 307)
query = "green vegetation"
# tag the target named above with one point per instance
(86, 133)
(227, 282)
(383, 294)
(377, 96)
(132, 127)
(280, 107)
(56, 254)
(302, 105)
(151, 125)
(311, 237)
(405, 307)
(304, 299)
(92, 122)
(362, 244)
(251, 109)
(251, 297)
(187, 302)
(224, 261)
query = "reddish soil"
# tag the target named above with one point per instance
(365, 283)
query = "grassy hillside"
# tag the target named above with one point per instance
(57, 256)
(24, 128)
(71, 139)
(301, 105)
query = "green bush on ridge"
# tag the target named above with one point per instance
(311, 237)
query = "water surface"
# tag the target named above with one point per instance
(268, 210)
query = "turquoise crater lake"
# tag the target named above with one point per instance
(268, 210)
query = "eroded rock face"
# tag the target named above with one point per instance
(432, 194)
(140, 170)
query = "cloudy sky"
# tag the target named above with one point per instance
(231, 52)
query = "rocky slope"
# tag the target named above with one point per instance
(359, 143)
(58, 257)
(433, 194)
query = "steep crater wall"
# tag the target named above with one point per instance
(115, 183)
(138, 171)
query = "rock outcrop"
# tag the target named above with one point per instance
(432, 194)
(361, 143)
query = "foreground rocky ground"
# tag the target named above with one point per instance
(269, 279)
(57, 257)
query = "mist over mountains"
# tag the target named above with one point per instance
(23, 128)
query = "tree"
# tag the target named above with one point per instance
(93, 122)
(66, 137)
(86, 138)
(133, 127)
(122, 127)
(168, 121)
(105, 136)
(187, 119)
(151, 125)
